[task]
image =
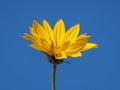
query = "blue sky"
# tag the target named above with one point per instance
(23, 68)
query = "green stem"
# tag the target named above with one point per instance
(53, 77)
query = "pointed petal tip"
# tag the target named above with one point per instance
(43, 21)
(30, 45)
(26, 34)
(61, 21)
(88, 37)
(78, 25)
(30, 28)
(22, 36)
(79, 54)
(34, 21)
(96, 46)
(85, 35)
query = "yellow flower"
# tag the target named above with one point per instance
(57, 43)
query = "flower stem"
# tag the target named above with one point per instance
(53, 76)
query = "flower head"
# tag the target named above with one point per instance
(57, 43)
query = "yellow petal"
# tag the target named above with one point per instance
(76, 55)
(52, 48)
(76, 46)
(39, 44)
(74, 49)
(35, 27)
(82, 38)
(39, 48)
(39, 29)
(89, 46)
(33, 32)
(45, 45)
(70, 52)
(65, 46)
(41, 32)
(31, 38)
(49, 31)
(72, 33)
(79, 42)
(59, 32)
(47, 28)
(28, 37)
(60, 55)
(36, 46)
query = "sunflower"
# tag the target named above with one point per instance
(58, 43)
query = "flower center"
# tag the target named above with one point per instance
(53, 60)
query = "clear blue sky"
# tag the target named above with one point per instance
(23, 68)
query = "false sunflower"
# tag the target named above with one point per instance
(58, 43)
